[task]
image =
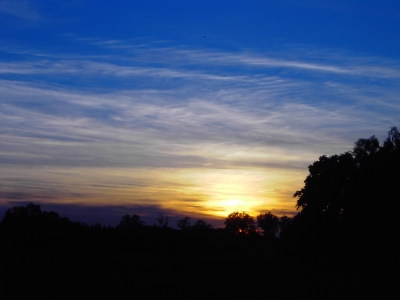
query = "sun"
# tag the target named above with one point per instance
(231, 203)
(235, 204)
(223, 207)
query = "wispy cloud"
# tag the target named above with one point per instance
(142, 60)
(310, 61)
(19, 9)
(145, 129)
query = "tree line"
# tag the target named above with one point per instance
(32, 216)
(346, 197)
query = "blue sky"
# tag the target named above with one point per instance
(192, 108)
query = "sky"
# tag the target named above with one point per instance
(186, 108)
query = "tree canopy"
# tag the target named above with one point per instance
(342, 192)
(268, 222)
(184, 224)
(132, 222)
(242, 223)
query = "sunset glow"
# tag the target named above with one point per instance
(185, 110)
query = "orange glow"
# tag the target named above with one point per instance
(194, 192)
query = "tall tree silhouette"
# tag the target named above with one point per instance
(327, 191)
(342, 192)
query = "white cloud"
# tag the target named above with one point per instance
(20, 9)
(195, 115)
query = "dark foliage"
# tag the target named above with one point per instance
(352, 195)
(285, 226)
(184, 224)
(198, 226)
(201, 225)
(348, 199)
(240, 223)
(162, 221)
(132, 222)
(269, 223)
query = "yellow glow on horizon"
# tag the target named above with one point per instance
(232, 203)
(194, 192)
(223, 208)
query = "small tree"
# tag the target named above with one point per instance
(131, 222)
(162, 221)
(201, 225)
(184, 224)
(239, 223)
(268, 223)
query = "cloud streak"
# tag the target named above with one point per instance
(185, 136)
(345, 66)
(20, 9)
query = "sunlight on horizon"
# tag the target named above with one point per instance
(194, 192)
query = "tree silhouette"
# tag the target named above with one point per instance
(392, 142)
(240, 223)
(132, 222)
(365, 147)
(201, 225)
(327, 191)
(284, 225)
(268, 223)
(29, 212)
(184, 224)
(162, 221)
(29, 225)
(342, 192)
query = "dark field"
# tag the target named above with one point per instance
(149, 274)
